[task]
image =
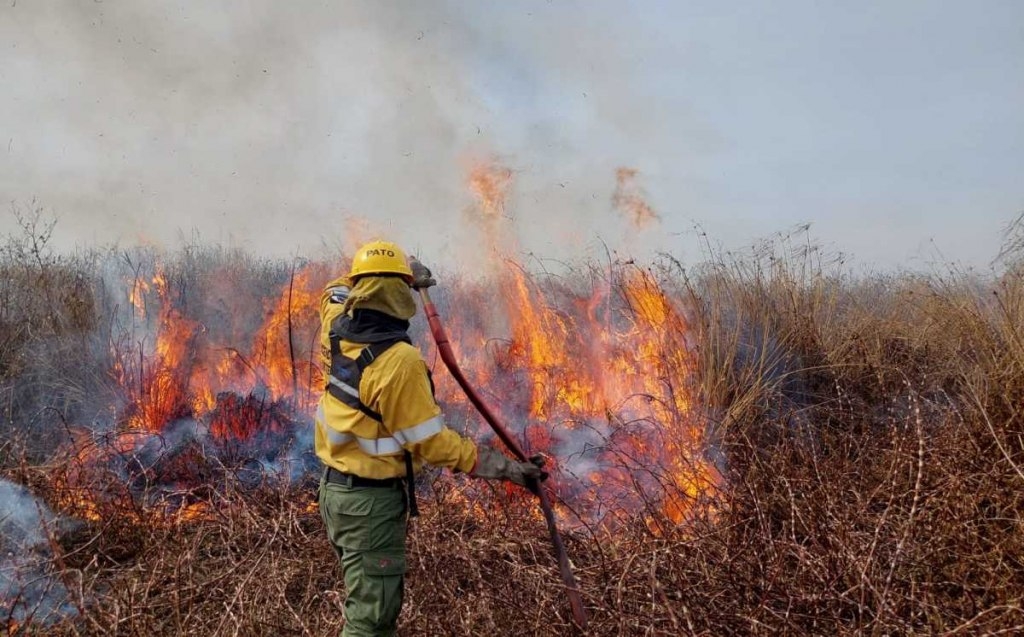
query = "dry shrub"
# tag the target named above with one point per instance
(872, 431)
(870, 436)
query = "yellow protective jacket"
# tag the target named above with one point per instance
(396, 386)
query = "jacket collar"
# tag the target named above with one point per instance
(371, 326)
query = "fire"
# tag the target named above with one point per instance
(491, 184)
(137, 295)
(186, 374)
(601, 375)
(592, 369)
(629, 199)
(193, 511)
(163, 396)
(195, 403)
(286, 370)
(599, 368)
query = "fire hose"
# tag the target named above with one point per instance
(539, 488)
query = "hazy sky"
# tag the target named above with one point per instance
(895, 128)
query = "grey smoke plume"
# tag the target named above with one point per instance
(28, 587)
(273, 125)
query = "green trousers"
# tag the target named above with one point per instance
(367, 526)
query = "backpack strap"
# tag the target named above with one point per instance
(345, 374)
(347, 391)
(371, 352)
(335, 343)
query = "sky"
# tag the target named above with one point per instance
(896, 128)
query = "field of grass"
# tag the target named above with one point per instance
(869, 432)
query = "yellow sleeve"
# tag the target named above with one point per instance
(413, 417)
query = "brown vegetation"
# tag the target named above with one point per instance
(869, 430)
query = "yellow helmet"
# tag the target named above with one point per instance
(380, 257)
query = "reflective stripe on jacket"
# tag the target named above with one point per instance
(397, 387)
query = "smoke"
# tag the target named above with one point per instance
(273, 126)
(171, 468)
(28, 587)
(203, 322)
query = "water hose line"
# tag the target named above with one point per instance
(540, 489)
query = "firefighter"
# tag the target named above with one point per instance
(376, 424)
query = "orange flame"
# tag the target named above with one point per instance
(287, 369)
(597, 360)
(630, 200)
(596, 363)
(184, 374)
(491, 183)
(163, 396)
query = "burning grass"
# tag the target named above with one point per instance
(790, 450)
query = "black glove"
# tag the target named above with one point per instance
(538, 461)
(421, 274)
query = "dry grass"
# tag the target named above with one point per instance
(871, 440)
